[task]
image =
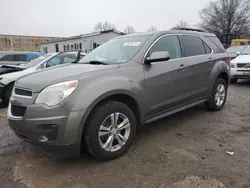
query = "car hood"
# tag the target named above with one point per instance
(12, 62)
(41, 79)
(242, 59)
(13, 76)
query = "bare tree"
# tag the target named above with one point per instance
(104, 26)
(129, 29)
(182, 24)
(152, 28)
(226, 17)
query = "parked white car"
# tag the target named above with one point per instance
(240, 66)
(15, 72)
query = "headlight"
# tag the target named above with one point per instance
(232, 65)
(54, 94)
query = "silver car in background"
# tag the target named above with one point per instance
(240, 66)
(48, 60)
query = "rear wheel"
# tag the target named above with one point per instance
(7, 93)
(218, 96)
(110, 130)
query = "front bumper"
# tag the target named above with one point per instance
(240, 73)
(54, 129)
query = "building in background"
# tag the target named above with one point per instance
(23, 43)
(85, 42)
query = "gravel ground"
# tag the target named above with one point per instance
(185, 150)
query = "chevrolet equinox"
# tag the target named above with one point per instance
(98, 103)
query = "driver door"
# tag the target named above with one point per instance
(167, 82)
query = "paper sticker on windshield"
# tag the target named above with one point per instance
(131, 43)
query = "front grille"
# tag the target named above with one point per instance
(244, 70)
(240, 65)
(23, 92)
(18, 111)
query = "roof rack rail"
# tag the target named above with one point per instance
(187, 29)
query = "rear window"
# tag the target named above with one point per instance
(10, 57)
(217, 43)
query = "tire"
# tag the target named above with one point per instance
(213, 104)
(95, 144)
(7, 93)
(234, 80)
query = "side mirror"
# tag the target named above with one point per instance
(157, 57)
(238, 53)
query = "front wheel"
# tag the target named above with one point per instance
(110, 130)
(218, 96)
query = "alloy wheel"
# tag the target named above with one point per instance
(114, 132)
(220, 94)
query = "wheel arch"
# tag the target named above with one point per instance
(6, 86)
(224, 75)
(121, 96)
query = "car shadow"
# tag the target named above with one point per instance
(242, 82)
(2, 105)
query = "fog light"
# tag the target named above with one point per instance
(42, 139)
(46, 133)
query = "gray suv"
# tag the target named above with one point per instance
(98, 103)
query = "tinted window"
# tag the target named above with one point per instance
(20, 57)
(217, 43)
(207, 48)
(167, 43)
(8, 58)
(193, 46)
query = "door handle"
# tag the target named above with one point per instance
(182, 67)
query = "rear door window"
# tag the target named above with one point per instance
(207, 48)
(193, 46)
(10, 57)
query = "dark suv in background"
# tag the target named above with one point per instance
(99, 102)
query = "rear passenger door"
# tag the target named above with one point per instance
(199, 64)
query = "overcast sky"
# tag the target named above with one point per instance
(73, 17)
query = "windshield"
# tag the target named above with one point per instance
(235, 49)
(36, 61)
(246, 51)
(116, 51)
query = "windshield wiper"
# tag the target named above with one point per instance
(94, 62)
